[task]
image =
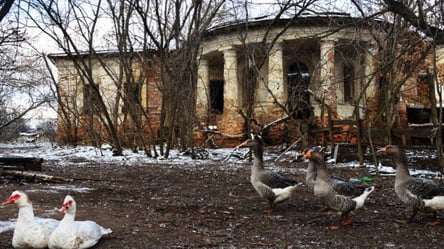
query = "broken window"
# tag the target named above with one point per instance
(298, 96)
(91, 98)
(132, 99)
(418, 115)
(349, 85)
(217, 96)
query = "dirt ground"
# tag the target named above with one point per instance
(210, 206)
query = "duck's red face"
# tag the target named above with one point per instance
(12, 199)
(66, 206)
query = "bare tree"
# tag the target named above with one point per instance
(427, 17)
(22, 76)
(174, 29)
(73, 26)
(5, 7)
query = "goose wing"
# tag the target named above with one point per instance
(424, 188)
(274, 180)
(347, 188)
(338, 202)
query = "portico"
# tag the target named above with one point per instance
(333, 68)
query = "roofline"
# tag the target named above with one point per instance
(338, 19)
(80, 54)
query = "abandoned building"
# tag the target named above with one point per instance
(318, 66)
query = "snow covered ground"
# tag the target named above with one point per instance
(87, 155)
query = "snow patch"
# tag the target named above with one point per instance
(6, 226)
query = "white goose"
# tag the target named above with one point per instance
(29, 231)
(71, 234)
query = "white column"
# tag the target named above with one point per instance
(276, 74)
(231, 91)
(327, 74)
(203, 88)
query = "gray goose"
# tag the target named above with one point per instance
(324, 190)
(269, 185)
(340, 186)
(419, 194)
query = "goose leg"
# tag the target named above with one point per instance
(346, 220)
(343, 220)
(270, 209)
(415, 211)
(434, 220)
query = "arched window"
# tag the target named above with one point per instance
(298, 101)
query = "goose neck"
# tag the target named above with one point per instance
(26, 213)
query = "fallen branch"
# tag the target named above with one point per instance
(31, 175)
(223, 134)
(289, 148)
(234, 150)
(276, 122)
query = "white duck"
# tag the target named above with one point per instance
(71, 234)
(29, 231)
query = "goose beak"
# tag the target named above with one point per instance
(382, 150)
(11, 199)
(307, 154)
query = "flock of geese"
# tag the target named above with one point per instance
(341, 196)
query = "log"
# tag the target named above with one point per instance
(31, 175)
(23, 163)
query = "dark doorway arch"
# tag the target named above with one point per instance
(298, 102)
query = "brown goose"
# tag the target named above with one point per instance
(323, 189)
(419, 194)
(340, 186)
(269, 185)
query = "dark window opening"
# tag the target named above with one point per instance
(298, 96)
(91, 99)
(418, 115)
(217, 96)
(349, 86)
(131, 100)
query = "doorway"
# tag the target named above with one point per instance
(298, 101)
